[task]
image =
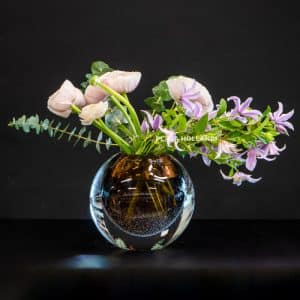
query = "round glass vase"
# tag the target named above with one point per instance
(141, 202)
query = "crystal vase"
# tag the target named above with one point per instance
(141, 202)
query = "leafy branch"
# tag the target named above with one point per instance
(33, 123)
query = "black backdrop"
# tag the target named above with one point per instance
(245, 48)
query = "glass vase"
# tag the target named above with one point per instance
(141, 202)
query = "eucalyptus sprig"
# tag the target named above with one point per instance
(58, 130)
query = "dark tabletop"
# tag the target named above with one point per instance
(63, 259)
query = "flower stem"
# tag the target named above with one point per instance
(123, 110)
(123, 100)
(124, 146)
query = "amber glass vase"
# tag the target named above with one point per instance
(141, 202)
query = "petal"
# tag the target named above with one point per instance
(63, 114)
(206, 160)
(253, 113)
(225, 176)
(92, 112)
(245, 104)
(281, 129)
(157, 122)
(279, 111)
(149, 117)
(212, 114)
(188, 106)
(288, 125)
(94, 94)
(236, 100)
(144, 126)
(286, 116)
(251, 160)
(121, 81)
(254, 180)
(176, 87)
(79, 98)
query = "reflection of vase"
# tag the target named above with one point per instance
(141, 202)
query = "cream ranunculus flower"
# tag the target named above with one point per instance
(121, 81)
(192, 95)
(94, 94)
(92, 112)
(59, 103)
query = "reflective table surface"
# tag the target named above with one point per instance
(62, 259)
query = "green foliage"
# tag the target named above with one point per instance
(160, 96)
(162, 91)
(201, 125)
(33, 123)
(97, 68)
(222, 107)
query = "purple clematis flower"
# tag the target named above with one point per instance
(152, 122)
(281, 120)
(242, 111)
(205, 158)
(271, 149)
(239, 177)
(171, 137)
(227, 148)
(262, 152)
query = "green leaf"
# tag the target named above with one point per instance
(155, 103)
(162, 91)
(230, 125)
(88, 140)
(108, 143)
(262, 125)
(98, 67)
(56, 128)
(63, 132)
(72, 133)
(99, 138)
(267, 111)
(222, 107)
(200, 126)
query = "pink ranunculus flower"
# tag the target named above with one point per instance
(121, 81)
(59, 103)
(92, 112)
(94, 94)
(192, 95)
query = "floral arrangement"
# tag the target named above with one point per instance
(181, 117)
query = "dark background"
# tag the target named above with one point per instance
(244, 48)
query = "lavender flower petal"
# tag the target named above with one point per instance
(144, 126)
(251, 159)
(246, 104)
